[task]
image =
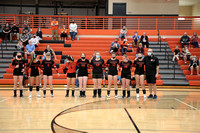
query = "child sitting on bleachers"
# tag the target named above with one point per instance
(194, 65)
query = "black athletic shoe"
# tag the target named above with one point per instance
(21, 95)
(155, 97)
(15, 96)
(94, 96)
(67, 95)
(150, 96)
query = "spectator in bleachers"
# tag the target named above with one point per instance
(27, 30)
(123, 33)
(186, 54)
(39, 34)
(24, 38)
(176, 53)
(35, 41)
(114, 47)
(185, 40)
(50, 50)
(140, 49)
(124, 46)
(135, 38)
(1, 31)
(30, 49)
(194, 65)
(63, 34)
(54, 27)
(14, 32)
(19, 46)
(144, 40)
(6, 32)
(73, 29)
(194, 40)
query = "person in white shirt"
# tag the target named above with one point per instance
(73, 29)
(123, 33)
(35, 41)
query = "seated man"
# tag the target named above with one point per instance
(176, 53)
(185, 40)
(114, 46)
(30, 49)
(14, 32)
(144, 40)
(123, 33)
(194, 65)
(135, 41)
(6, 32)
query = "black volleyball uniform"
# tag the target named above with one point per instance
(34, 68)
(83, 67)
(151, 63)
(139, 67)
(126, 69)
(97, 68)
(47, 67)
(22, 65)
(112, 64)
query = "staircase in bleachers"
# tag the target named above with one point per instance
(192, 79)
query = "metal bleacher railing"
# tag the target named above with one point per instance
(107, 22)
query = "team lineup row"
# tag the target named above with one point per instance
(148, 66)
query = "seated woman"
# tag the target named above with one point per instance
(63, 34)
(123, 33)
(185, 54)
(24, 38)
(48, 49)
(194, 65)
(114, 46)
(140, 49)
(124, 46)
(135, 41)
(194, 40)
(39, 34)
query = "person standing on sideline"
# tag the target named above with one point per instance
(152, 70)
(73, 30)
(54, 27)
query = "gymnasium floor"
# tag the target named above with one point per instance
(175, 111)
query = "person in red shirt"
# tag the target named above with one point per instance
(54, 27)
(194, 40)
(71, 74)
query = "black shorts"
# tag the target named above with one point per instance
(17, 73)
(47, 73)
(97, 76)
(151, 79)
(126, 76)
(80, 74)
(112, 74)
(71, 75)
(63, 35)
(34, 74)
(139, 73)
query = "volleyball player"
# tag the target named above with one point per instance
(34, 65)
(126, 75)
(98, 64)
(19, 66)
(112, 73)
(83, 74)
(139, 74)
(71, 74)
(47, 66)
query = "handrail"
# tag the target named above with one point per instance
(107, 22)
(3, 47)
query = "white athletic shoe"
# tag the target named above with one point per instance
(116, 96)
(108, 96)
(137, 95)
(38, 94)
(30, 94)
(28, 84)
(44, 96)
(51, 95)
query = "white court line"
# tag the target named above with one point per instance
(186, 104)
(5, 99)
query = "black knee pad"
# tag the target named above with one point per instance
(37, 88)
(137, 90)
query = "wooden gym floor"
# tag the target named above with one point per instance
(177, 110)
